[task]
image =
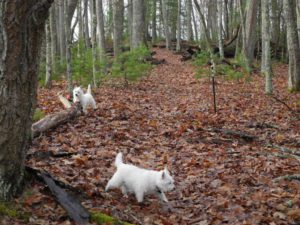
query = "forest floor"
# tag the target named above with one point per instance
(168, 117)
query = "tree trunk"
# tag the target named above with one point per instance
(293, 45)
(138, 32)
(195, 25)
(266, 51)
(53, 33)
(94, 40)
(165, 21)
(100, 23)
(86, 25)
(220, 29)
(249, 32)
(62, 32)
(154, 22)
(68, 49)
(18, 75)
(189, 20)
(48, 56)
(178, 42)
(118, 15)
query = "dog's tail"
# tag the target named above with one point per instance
(119, 159)
(89, 89)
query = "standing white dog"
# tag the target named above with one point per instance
(132, 179)
(84, 99)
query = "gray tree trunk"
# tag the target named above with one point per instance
(101, 31)
(178, 42)
(138, 30)
(165, 21)
(86, 25)
(249, 32)
(53, 33)
(189, 7)
(94, 40)
(266, 51)
(154, 21)
(62, 32)
(293, 45)
(48, 55)
(130, 20)
(220, 29)
(118, 15)
(18, 75)
(195, 25)
(68, 49)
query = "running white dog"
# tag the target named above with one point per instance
(132, 179)
(86, 99)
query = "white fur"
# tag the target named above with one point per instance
(85, 100)
(132, 179)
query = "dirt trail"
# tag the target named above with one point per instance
(168, 117)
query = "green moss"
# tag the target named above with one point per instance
(11, 211)
(101, 218)
(38, 114)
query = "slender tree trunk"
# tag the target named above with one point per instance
(68, 49)
(48, 56)
(80, 21)
(220, 29)
(18, 75)
(86, 25)
(100, 22)
(62, 32)
(138, 32)
(189, 20)
(266, 56)
(118, 15)
(195, 25)
(293, 45)
(94, 40)
(178, 42)
(154, 21)
(53, 33)
(165, 21)
(130, 21)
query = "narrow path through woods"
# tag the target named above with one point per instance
(168, 118)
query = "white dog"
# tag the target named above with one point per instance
(84, 99)
(132, 179)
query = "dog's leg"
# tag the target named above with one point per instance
(113, 182)
(124, 191)
(162, 196)
(139, 196)
(94, 104)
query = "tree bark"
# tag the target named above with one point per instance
(68, 49)
(165, 22)
(20, 42)
(293, 45)
(266, 51)
(154, 21)
(53, 33)
(62, 31)
(94, 41)
(178, 42)
(138, 30)
(189, 20)
(100, 23)
(220, 29)
(48, 56)
(118, 15)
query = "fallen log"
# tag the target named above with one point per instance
(70, 203)
(56, 119)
